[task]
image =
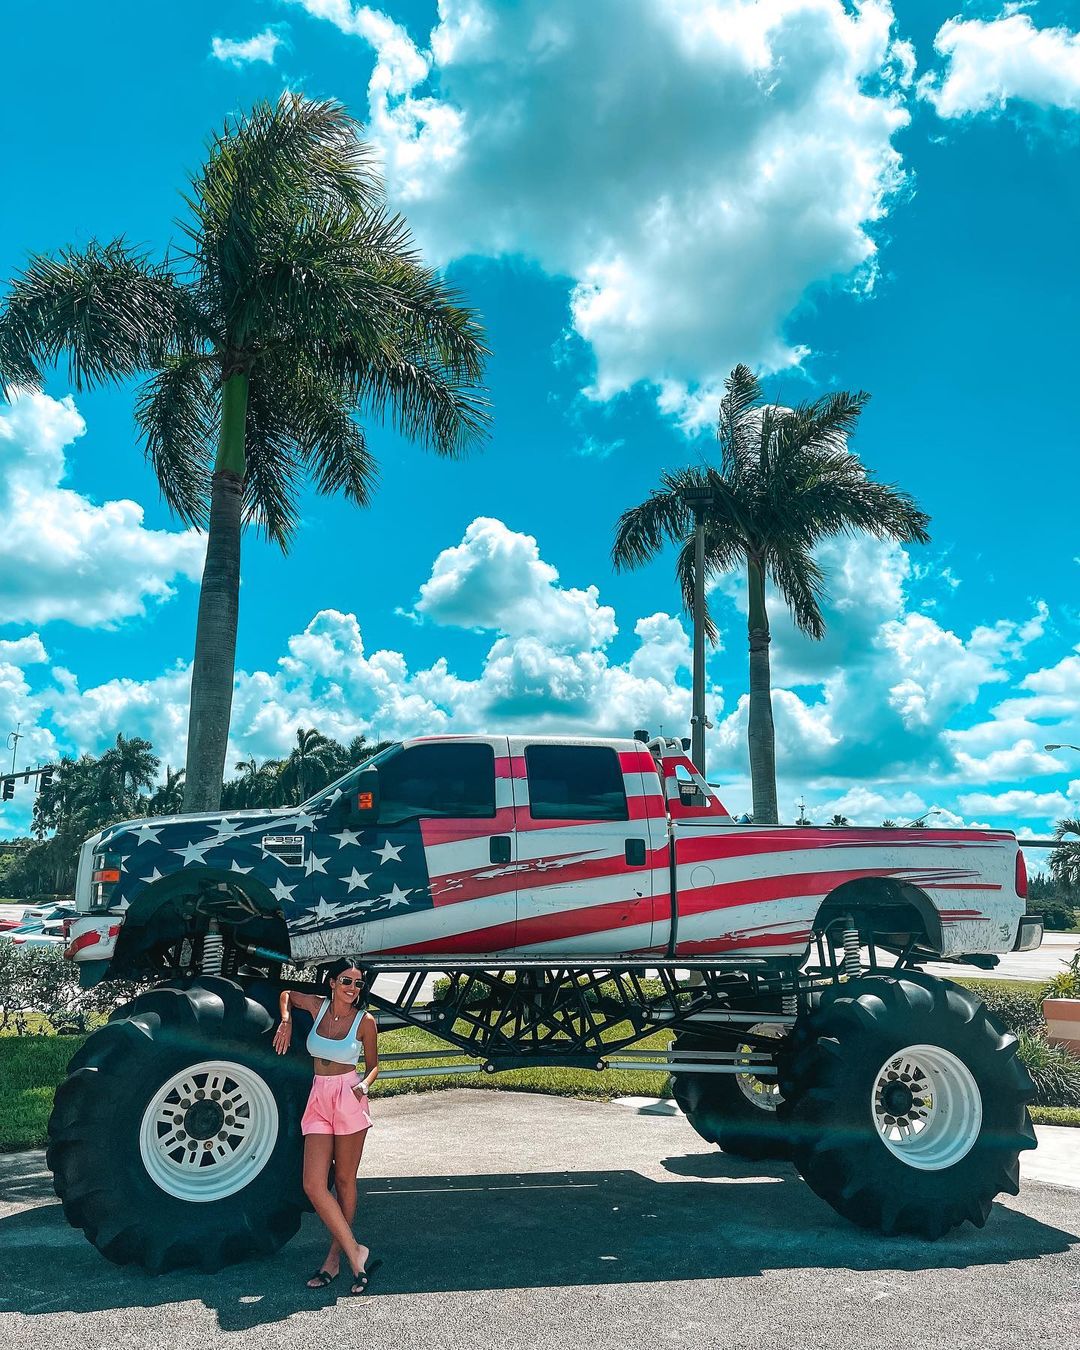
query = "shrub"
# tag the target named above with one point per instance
(1058, 915)
(1054, 1071)
(37, 983)
(1066, 984)
(1019, 1005)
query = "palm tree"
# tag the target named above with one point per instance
(124, 769)
(359, 749)
(786, 481)
(296, 303)
(245, 785)
(258, 785)
(309, 765)
(168, 797)
(1065, 861)
(839, 820)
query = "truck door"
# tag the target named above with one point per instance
(585, 853)
(436, 873)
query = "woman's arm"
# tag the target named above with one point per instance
(289, 999)
(369, 1036)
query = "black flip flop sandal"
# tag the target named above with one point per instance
(363, 1279)
(323, 1276)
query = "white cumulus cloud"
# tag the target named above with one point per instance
(495, 579)
(989, 62)
(888, 719)
(692, 167)
(21, 708)
(262, 47)
(63, 556)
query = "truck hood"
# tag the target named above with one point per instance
(161, 825)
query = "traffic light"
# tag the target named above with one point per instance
(9, 789)
(45, 777)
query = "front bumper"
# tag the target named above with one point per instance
(93, 937)
(1029, 933)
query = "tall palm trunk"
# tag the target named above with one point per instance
(214, 664)
(761, 737)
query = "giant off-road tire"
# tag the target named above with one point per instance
(736, 1111)
(905, 1104)
(175, 1138)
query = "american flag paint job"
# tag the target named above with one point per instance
(428, 888)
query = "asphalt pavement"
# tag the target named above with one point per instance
(512, 1220)
(1042, 964)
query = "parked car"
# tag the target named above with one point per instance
(52, 933)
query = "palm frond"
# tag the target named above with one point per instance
(106, 308)
(738, 420)
(327, 436)
(844, 499)
(801, 582)
(429, 316)
(177, 411)
(351, 282)
(306, 280)
(276, 165)
(274, 468)
(685, 571)
(662, 518)
(419, 399)
(829, 421)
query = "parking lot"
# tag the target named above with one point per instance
(521, 1220)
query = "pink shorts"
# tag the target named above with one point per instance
(333, 1107)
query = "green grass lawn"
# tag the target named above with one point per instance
(31, 1067)
(1056, 1115)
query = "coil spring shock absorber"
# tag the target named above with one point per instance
(852, 948)
(213, 950)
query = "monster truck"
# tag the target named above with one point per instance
(581, 895)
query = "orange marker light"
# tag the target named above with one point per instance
(109, 874)
(365, 801)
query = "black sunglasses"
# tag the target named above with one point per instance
(348, 979)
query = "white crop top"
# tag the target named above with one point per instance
(349, 1050)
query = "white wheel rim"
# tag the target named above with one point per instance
(926, 1107)
(208, 1131)
(764, 1093)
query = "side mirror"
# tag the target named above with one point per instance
(363, 807)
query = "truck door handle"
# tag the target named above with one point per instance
(500, 848)
(635, 852)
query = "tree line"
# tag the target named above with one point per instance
(126, 782)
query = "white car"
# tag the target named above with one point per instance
(36, 934)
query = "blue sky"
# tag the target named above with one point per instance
(634, 196)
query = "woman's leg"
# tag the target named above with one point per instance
(318, 1150)
(348, 1150)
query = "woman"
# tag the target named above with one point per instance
(337, 1117)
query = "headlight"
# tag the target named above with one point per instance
(103, 879)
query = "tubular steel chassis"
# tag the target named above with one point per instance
(515, 1014)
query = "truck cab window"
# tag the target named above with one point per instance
(575, 782)
(453, 781)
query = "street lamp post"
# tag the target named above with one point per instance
(13, 743)
(1056, 745)
(699, 499)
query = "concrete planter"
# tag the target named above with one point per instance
(1063, 1022)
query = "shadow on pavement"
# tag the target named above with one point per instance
(727, 1219)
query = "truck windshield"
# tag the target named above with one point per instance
(320, 797)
